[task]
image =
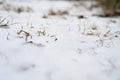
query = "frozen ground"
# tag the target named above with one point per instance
(58, 41)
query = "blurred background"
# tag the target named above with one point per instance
(109, 7)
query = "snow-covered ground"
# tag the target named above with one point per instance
(57, 40)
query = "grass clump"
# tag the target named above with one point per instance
(58, 12)
(110, 7)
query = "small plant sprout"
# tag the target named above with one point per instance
(27, 34)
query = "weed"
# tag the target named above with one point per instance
(110, 7)
(27, 34)
(40, 33)
(59, 12)
(23, 9)
(105, 39)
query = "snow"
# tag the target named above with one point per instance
(66, 51)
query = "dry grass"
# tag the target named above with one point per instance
(41, 32)
(27, 34)
(12, 7)
(110, 7)
(4, 23)
(104, 38)
(52, 12)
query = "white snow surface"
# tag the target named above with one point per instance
(66, 51)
